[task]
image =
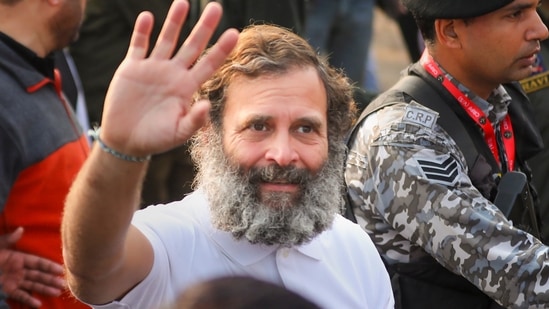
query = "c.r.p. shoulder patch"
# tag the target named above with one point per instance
(441, 169)
(420, 115)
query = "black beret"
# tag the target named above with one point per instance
(450, 9)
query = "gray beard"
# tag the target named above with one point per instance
(277, 218)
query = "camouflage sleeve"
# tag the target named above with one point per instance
(409, 187)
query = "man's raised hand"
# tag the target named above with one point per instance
(148, 106)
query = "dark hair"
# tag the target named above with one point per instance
(427, 28)
(238, 292)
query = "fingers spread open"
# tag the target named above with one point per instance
(215, 56)
(200, 35)
(168, 38)
(25, 298)
(33, 262)
(44, 284)
(139, 43)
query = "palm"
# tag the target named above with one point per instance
(159, 104)
(22, 274)
(12, 271)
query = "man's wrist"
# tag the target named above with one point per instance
(94, 134)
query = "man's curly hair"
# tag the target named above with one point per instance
(273, 50)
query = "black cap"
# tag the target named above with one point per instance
(450, 9)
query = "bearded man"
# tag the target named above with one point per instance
(269, 186)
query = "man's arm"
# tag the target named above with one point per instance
(147, 110)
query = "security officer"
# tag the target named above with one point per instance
(428, 155)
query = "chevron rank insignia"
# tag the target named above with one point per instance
(420, 115)
(440, 169)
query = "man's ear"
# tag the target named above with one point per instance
(446, 32)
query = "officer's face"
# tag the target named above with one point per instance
(501, 46)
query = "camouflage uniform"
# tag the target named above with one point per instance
(411, 190)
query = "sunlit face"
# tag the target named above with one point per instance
(502, 45)
(269, 176)
(65, 24)
(279, 120)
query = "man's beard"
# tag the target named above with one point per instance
(282, 218)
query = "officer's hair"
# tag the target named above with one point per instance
(427, 28)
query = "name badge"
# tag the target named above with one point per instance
(420, 115)
(536, 82)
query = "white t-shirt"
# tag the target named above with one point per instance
(340, 268)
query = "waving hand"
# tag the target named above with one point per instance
(148, 106)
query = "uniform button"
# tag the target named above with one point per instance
(285, 252)
(507, 134)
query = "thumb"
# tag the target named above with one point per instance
(194, 120)
(11, 238)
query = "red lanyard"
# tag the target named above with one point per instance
(506, 129)
(56, 84)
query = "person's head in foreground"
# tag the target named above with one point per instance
(240, 293)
